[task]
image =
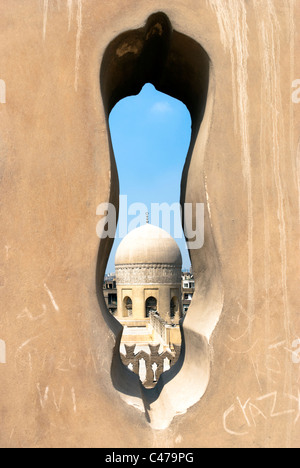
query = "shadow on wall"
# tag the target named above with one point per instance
(178, 66)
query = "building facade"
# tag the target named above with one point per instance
(110, 293)
(148, 275)
(188, 289)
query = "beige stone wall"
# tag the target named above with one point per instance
(174, 336)
(58, 384)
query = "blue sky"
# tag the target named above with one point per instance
(151, 135)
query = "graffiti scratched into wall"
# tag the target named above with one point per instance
(252, 411)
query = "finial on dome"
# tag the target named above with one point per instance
(147, 217)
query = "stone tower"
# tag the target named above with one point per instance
(148, 266)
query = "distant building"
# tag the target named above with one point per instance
(111, 297)
(145, 296)
(148, 273)
(110, 293)
(148, 279)
(188, 290)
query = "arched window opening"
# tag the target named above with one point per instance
(151, 306)
(127, 307)
(178, 66)
(174, 307)
(151, 134)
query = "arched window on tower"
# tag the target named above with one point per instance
(127, 307)
(151, 306)
(174, 307)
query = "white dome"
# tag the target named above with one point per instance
(148, 244)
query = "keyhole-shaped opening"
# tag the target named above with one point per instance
(178, 66)
(150, 137)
